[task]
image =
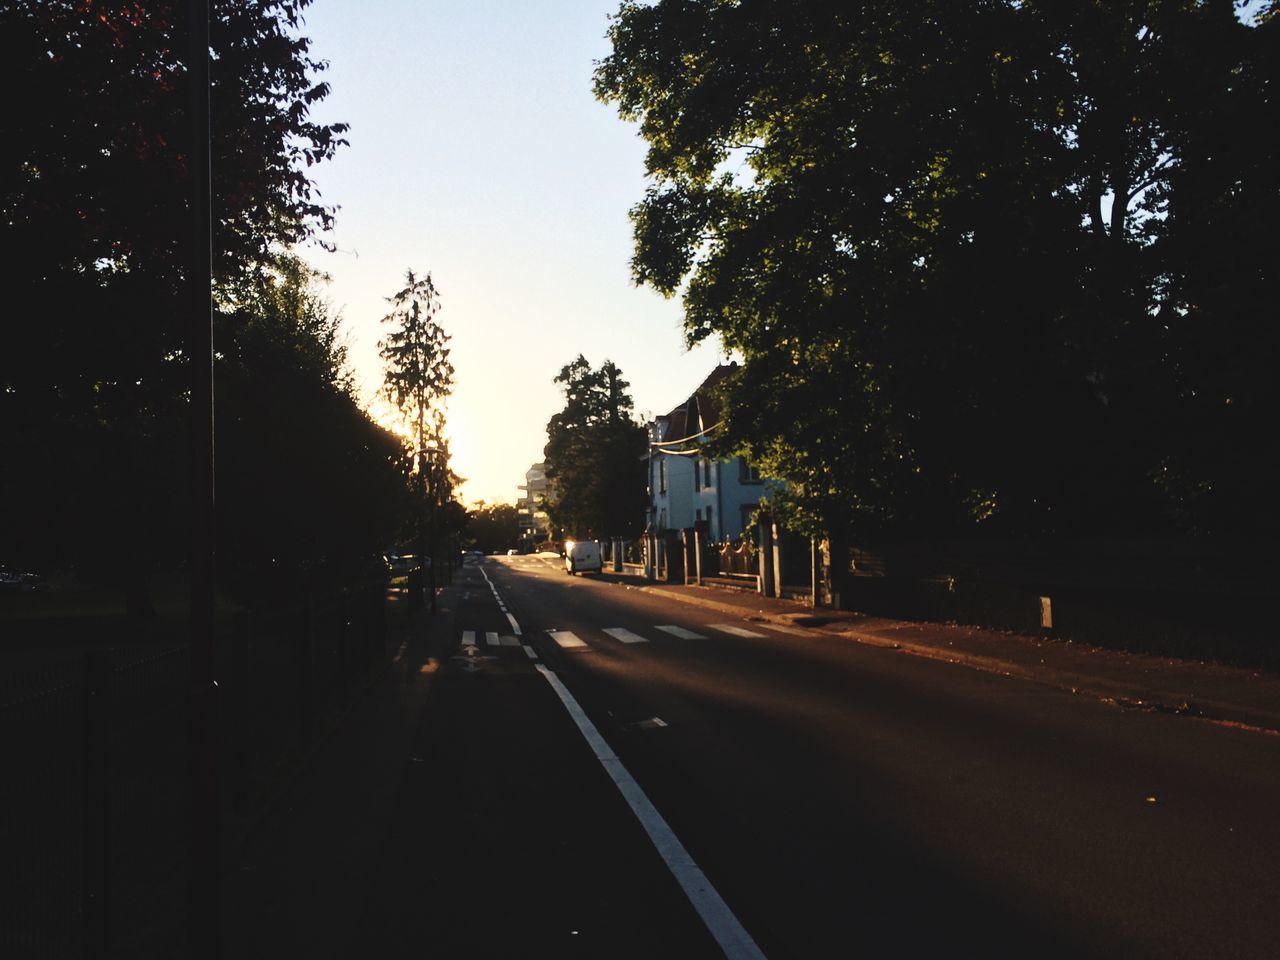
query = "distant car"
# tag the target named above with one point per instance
(513, 552)
(582, 556)
(401, 564)
(472, 556)
(13, 582)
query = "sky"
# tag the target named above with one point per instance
(479, 154)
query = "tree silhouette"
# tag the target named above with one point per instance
(954, 245)
(593, 454)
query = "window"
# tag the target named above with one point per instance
(748, 472)
(706, 473)
(697, 475)
(662, 474)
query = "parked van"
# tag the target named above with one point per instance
(582, 556)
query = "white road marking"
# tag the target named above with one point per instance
(736, 630)
(787, 628)
(515, 627)
(728, 932)
(468, 638)
(491, 638)
(565, 639)
(532, 653)
(625, 635)
(680, 632)
(510, 641)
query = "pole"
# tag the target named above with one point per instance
(203, 925)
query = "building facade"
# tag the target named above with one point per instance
(686, 487)
(534, 525)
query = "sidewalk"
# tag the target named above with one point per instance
(1221, 694)
(288, 890)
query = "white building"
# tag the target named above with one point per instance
(533, 519)
(685, 487)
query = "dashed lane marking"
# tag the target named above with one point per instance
(515, 627)
(530, 652)
(625, 635)
(680, 632)
(565, 639)
(736, 630)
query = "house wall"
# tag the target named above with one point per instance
(676, 504)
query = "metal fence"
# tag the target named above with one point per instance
(95, 793)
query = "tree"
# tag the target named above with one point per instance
(494, 527)
(93, 221)
(417, 379)
(594, 455)
(311, 490)
(940, 238)
(418, 375)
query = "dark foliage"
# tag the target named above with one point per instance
(594, 455)
(94, 224)
(494, 527)
(992, 266)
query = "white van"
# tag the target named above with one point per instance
(582, 556)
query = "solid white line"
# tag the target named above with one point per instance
(468, 638)
(625, 635)
(515, 627)
(736, 631)
(566, 639)
(532, 653)
(728, 932)
(491, 638)
(680, 632)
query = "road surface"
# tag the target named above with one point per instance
(819, 798)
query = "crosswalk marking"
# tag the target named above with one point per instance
(468, 638)
(680, 632)
(510, 641)
(625, 635)
(787, 628)
(566, 639)
(491, 638)
(736, 630)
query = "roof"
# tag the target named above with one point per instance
(704, 399)
(700, 411)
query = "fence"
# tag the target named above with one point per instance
(95, 796)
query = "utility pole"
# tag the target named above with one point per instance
(204, 916)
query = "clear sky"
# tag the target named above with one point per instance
(479, 154)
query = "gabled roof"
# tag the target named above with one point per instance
(704, 407)
(700, 411)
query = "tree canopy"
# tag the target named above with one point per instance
(990, 265)
(94, 222)
(594, 455)
(494, 527)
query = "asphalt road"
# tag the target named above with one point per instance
(850, 801)
(575, 768)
